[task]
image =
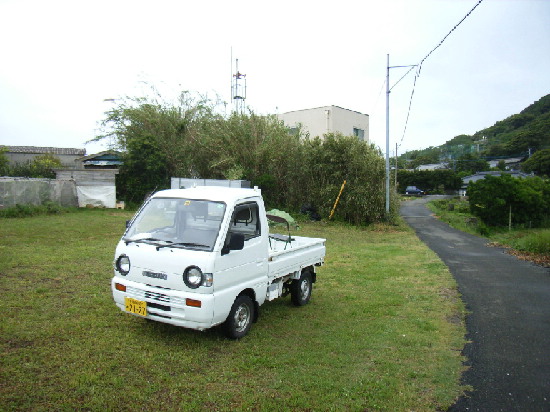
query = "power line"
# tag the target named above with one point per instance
(419, 66)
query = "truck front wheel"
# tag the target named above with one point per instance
(300, 289)
(240, 318)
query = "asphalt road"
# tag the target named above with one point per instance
(508, 325)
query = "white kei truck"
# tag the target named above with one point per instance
(203, 256)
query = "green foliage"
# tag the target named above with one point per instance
(493, 198)
(456, 212)
(416, 158)
(189, 139)
(47, 208)
(538, 163)
(4, 162)
(512, 137)
(431, 181)
(534, 242)
(42, 166)
(471, 164)
(327, 163)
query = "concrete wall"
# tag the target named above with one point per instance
(328, 119)
(24, 154)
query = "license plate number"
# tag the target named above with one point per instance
(138, 307)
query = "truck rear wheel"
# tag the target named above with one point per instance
(240, 318)
(300, 289)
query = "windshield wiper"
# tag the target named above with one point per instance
(144, 240)
(184, 244)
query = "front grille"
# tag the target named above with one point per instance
(157, 306)
(147, 295)
(157, 296)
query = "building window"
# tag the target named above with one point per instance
(293, 131)
(359, 133)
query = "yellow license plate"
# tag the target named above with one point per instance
(138, 307)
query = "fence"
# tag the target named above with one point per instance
(26, 191)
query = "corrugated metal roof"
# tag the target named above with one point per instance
(43, 150)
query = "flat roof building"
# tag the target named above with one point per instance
(328, 119)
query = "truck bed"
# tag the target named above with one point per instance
(301, 252)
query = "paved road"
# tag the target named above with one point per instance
(508, 326)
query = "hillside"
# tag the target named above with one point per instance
(514, 136)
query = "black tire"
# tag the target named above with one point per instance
(240, 318)
(300, 289)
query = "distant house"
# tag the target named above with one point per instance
(24, 154)
(511, 163)
(328, 119)
(109, 159)
(482, 175)
(433, 166)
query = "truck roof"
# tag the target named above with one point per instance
(215, 193)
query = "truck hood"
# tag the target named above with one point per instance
(163, 267)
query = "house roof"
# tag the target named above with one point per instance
(433, 166)
(44, 150)
(482, 175)
(325, 107)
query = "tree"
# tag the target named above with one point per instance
(189, 138)
(493, 198)
(471, 163)
(539, 163)
(4, 163)
(432, 181)
(41, 166)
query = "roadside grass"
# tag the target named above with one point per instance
(384, 330)
(528, 244)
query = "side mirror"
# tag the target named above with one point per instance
(128, 224)
(236, 242)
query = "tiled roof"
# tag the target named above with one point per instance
(41, 150)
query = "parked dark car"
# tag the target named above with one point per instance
(413, 190)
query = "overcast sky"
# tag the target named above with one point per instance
(61, 59)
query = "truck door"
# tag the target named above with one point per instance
(246, 268)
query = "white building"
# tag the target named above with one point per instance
(433, 166)
(328, 119)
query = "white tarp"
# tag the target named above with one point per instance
(97, 196)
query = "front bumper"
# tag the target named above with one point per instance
(167, 305)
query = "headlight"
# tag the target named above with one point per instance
(123, 264)
(192, 277)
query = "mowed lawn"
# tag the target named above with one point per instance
(383, 331)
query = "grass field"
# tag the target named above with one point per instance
(383, 332)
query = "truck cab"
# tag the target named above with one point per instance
(201, 257)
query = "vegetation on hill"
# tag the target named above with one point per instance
(516, 136)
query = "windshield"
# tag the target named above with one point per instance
(178, 223)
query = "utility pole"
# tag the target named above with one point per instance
(388, 137)
(388, 67)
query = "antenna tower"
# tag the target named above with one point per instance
(238, 89)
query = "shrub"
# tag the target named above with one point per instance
(494, 198)
(47, 208)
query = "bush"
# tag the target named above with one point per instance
(431, 181)
(537, 242)
(493, 198)
(48, 208)
(189, 139)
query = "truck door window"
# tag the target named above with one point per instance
(246, 220)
